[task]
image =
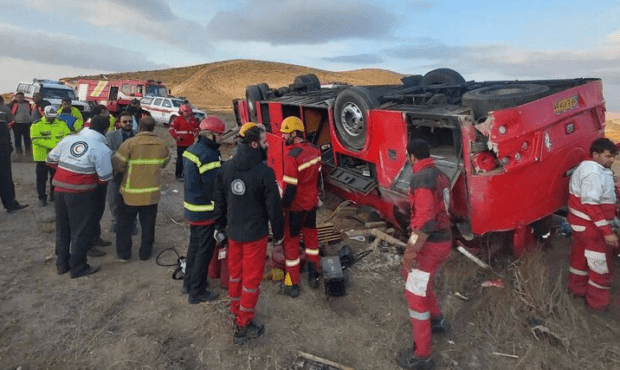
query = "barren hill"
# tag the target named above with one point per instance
(214, 85)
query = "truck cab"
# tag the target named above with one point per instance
(116, 95)
(508, 147)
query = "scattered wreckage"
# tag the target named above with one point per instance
(509, 147)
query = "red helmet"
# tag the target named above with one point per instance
(186, 109)
(213, 124)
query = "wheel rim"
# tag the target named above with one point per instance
(352, 119)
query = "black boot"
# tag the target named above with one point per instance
(289, 290)
(439, 325)
(313, 275)
(251, 331)
(407, 360)
(206, 296)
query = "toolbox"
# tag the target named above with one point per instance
(333, 276)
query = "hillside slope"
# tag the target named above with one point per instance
(214, 85)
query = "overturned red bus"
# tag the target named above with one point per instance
(509, 147)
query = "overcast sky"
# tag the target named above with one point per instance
(483, 40)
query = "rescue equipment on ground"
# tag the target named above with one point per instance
(333, 276)
(179, 272)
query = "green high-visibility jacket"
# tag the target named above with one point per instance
(45, 136)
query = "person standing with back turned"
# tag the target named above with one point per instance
(202, 162)
(246, 201)
(83, 162)
(142, 159)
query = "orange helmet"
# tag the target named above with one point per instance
(213, 124)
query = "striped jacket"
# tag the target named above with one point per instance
(83, 160)
(592, 198)
(201, 162)
(142, 159)
(302, 171)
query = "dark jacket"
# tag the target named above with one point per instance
(201, 163)
(115, 138)
(38, 110)
(6, 147)
(247, 197)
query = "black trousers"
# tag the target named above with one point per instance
(73, 230)
(127, 214)
(98, 209)
(22, 130)
(178, 171)
(7, 187)
(42, 175)
(199, 253)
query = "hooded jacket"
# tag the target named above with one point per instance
(247, 198)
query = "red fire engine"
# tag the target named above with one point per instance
(509, 147)
(117, 94)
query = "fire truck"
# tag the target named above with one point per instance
(117, 94)
(509, 147)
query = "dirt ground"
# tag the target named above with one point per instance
(134, 316)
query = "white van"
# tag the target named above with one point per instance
(53, 92)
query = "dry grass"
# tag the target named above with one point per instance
(533, 318)
(612, 126)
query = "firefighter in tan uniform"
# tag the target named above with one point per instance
(302, 170)
(141, 159)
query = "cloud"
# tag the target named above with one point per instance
(151, 19)
(304, 22)
(425, 49)
(423, 5)
(511, 61)
(356, 59)
(36, 46)
(154, 10)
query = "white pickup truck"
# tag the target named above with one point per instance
(165, 110)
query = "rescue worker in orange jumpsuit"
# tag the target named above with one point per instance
(429, 197)
(592, 207)
(247, 199)
(183, 129)
(302, 170)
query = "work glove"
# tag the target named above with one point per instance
(219, 236)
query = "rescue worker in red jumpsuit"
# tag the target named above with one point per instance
(183, 129)
(247, 199)
(429, 197)
(302, 168)
(592, 207)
